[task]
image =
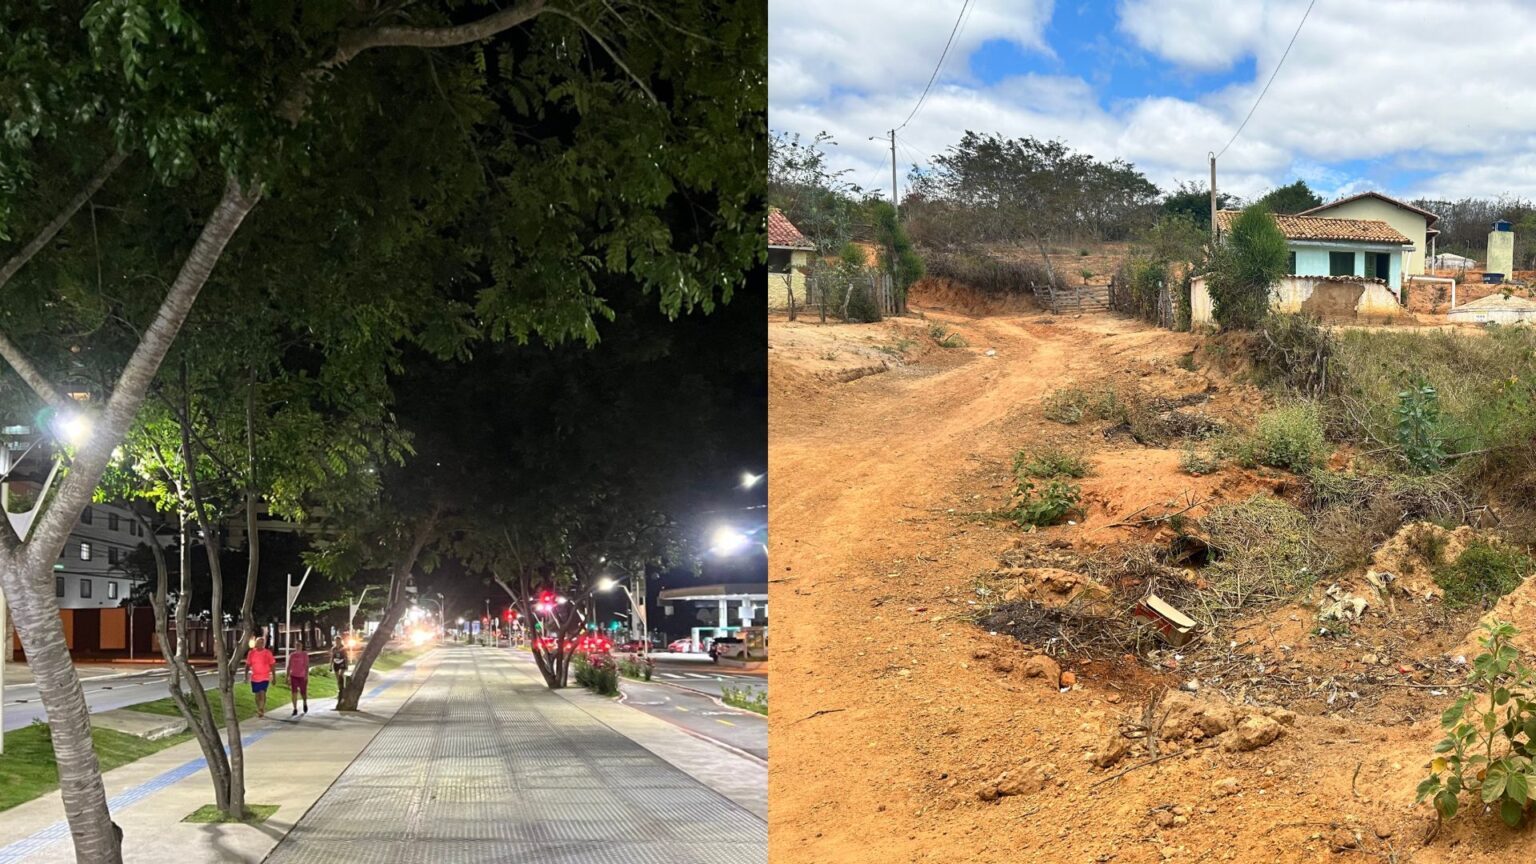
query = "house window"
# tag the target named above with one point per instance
(111, 590)
(111, 555)
(1290, 263)
(58, 586)
(85, 516)
(111, 521)
(779, 260)
(1341, 263)
(85, 551)
(85, 588)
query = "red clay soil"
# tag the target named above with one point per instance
(903, 732)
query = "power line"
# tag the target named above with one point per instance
(952, 31)
(1271, 78)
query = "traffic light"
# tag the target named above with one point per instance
(509, 615)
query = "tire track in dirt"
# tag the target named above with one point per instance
(856, 477)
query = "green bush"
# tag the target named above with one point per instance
(640, 670)
(597, 672)
(1071, 405)
(1251, 258)
(1041, 507)
(1049, 462)
(753, 699)
(1482, 573)
(1196, 463)
(944, 337)
(1290, 437)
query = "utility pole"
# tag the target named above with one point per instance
(895, 205)
(1213, 200)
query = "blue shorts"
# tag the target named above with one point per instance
(259, 686)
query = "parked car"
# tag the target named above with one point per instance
(633, 646)
(682, 646)
(729, 647)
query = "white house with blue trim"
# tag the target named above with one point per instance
(1326, 246)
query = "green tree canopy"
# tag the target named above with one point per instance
(1290, 199)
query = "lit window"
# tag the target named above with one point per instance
(111, 590)
(85, 551)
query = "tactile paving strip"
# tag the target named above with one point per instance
(485, 766)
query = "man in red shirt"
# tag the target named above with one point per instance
(258, 668)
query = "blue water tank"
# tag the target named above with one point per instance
(1501, 225)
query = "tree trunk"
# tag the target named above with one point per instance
(36, 613)
(27, 571)
(199, 718)
(352, 692)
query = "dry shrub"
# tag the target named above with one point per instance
(1264, 552)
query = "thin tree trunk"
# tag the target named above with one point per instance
(199, 721)
(352, 692)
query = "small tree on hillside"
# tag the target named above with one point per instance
(892, 237)
(1245, 265)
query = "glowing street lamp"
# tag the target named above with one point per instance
(73, 428)
(728, 541)
(748, 479)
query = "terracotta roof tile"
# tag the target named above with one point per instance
(1324, 228)
(783, 234)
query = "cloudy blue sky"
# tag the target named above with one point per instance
(1408, 97)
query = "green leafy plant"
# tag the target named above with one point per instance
(1072, 405)
(597, 672)
(1418, 421)
(1289, 437)
(1196, 463)
(1483, 571)
(1049, 462)
(1041, 507)
(748, 698)
(640, 670)
(1490, 735)
(944, 337)
(1251, 258)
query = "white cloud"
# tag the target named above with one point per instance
(1413, 85)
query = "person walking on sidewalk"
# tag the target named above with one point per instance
(339, 662)
(258, 669)
(298, 675)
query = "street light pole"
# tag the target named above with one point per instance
(293, 594)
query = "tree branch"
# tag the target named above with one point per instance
(358, 41)
(612, 55)
(20, 259)
(134, 381)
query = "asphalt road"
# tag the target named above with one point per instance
(22, 704)
(699, 713)
(706, 676)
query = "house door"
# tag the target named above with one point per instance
(1379, 266)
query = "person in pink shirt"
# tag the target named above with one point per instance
(298, 675)
(258, 669)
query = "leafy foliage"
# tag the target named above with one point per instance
(1049, 462)
(1192, 201)
(1290, 199)
(597, 672)
(1244, 268)
(988, 188)
(1482, 573)
(1033, 506)
(1490, 735)
(1289, 437)
(1418, 420)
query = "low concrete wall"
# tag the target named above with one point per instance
(1351, 301)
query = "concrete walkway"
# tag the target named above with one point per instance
(484, 764)
(289, 762)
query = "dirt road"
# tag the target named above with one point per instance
(893, 713)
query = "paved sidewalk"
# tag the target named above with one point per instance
(484, 764)
(289, 762)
